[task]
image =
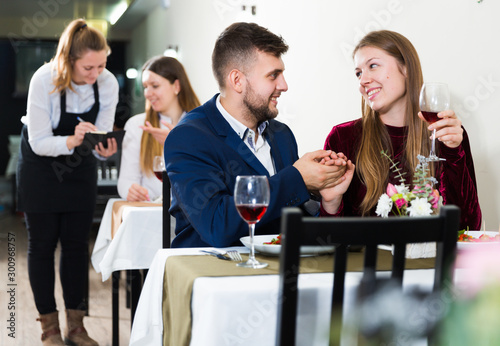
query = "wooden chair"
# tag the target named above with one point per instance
(342, 232)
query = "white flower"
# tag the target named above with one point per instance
(420, 207)
(384, 205)
(402, 189)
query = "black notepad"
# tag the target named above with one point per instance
(94, 138)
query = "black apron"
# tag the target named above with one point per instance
(66, 183)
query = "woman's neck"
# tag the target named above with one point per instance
(395, 116)
(393, 119)
(174, 113)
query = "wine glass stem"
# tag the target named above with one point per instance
(251, 228)
(433, 148)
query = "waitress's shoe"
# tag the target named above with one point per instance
(51, 335)
(74, 333)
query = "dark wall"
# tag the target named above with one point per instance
(117, 65)
(12, 108)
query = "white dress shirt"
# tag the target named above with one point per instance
(260, 148)
(44, 109)
(130, 166)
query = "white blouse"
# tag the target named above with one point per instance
(130, 166)
(44, 109)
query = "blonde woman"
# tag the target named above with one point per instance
(390, 78)
(57, 178)
(169, 96)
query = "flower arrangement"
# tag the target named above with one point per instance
(422, 200)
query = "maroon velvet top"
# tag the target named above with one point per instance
(456, 177)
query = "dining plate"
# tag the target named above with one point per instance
(274, 250)
(462, 245)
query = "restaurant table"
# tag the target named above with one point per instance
(127, 241)
(137, 239)
(242, 310)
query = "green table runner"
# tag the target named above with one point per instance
(181, 271)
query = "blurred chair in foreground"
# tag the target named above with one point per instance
(370, 232)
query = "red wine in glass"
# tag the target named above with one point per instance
(158, 167)
(430, 117)
(159, 175)
(251, 198)
(251, 213)
(434, 97)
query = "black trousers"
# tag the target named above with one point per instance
(44, 231)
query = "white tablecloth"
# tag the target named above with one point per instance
(221, 317)
(135, 243)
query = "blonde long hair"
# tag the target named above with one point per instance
(372, 169)
(74, 42)
(172, 70)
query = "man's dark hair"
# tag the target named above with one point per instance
(237, 46)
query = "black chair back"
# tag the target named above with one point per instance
(166, 214)
(369, 232)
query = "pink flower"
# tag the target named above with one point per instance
(435, 198)
(400, 201)
(417, 189)
(391, 190)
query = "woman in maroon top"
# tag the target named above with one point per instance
(390, 78)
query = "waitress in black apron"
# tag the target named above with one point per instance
(57, 177)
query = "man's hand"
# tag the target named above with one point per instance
(321, 169)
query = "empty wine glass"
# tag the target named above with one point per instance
(158, 167)
(434, 98)
(251, 196)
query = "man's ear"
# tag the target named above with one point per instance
(236, 80)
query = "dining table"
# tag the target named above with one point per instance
(130, 239)
(129, 235)
(190, 298)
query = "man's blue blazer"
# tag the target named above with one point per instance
(203, 157)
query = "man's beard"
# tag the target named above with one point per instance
(258, 107)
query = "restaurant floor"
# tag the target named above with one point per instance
(18, 298)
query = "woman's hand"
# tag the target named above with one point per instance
(137, 193)
(332, 197)
(159, 134)
(80, 130)
(110, 150)
(448, 129)
(337, 159)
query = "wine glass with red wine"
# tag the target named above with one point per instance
(251, 197)
(158, 167)
(434, 98)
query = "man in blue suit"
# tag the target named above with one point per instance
(235, 134)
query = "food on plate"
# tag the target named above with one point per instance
(274, 241)
(463, 236)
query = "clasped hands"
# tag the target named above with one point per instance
(326, 172)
